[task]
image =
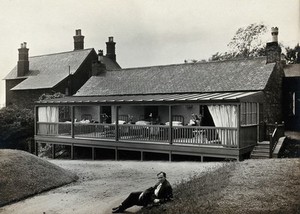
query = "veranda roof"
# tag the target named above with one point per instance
(159, 98)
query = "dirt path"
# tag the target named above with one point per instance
(103, 185)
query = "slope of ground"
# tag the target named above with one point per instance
(251, 186)
(23, 174)
(104, 184)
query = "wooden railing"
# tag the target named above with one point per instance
(54, 128)
(274, 137)
(205, 135)
(153, 133)
(94, 130)
(144, 133)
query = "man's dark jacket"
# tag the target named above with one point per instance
(165, 193)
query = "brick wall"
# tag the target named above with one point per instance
(273, 111)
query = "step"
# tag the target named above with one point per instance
(266, 143)
(259, 157)
(261, 147)
(260, 152)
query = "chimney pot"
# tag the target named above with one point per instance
(78, 32)
(100, 55)
(274, 33)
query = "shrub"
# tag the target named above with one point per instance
(16, 127)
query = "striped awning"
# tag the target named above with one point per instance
(157, 98)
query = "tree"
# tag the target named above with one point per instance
(245, 43)
(16, 127)
(292, 55)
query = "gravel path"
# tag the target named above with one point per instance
(103, 185)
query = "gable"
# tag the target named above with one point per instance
(46, 71)
(220, 76)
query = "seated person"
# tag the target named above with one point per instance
(195, 121)
(160, 193)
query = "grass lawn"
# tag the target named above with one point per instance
(252, 186)
(23, 174)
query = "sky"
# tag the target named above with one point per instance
(146, 32)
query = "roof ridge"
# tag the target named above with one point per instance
(61, 52)
(191, 63)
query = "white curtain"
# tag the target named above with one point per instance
(225, 116)
(48, 115)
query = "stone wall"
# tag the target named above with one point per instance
(272, 105)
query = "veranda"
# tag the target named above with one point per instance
(229, 124)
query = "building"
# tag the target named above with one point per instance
(62, 72)
(132, 109)
(291, 95)
(212, 109)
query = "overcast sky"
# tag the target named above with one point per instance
(147, 32)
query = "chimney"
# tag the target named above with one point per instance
(78, 40)
(100, 56)
(110, 48)
(23, 62)
(98, 67)
(273, 50)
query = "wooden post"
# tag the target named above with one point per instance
(116, 154)
(72, 151)
(257, 122)
(36, 148)
(72, 121)
(170, 156)
(36, 152)
(93, 153)
(117, 124)
(53, 151)
(35, 120)
(170, 125)
(238, 125)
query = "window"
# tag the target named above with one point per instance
(249, 113)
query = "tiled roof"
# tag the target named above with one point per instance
(47, 71)
(220, 76)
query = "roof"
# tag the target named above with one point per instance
(158, 98)
(219, 76)
(292, 70)
(46, 71)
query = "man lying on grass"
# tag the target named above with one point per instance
(160, 193)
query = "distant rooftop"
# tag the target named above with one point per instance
(46, 71)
